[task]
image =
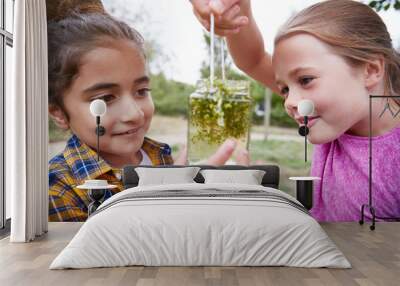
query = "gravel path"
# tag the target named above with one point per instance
(173, 130)
(172, 139)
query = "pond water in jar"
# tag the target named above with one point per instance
(216, 114)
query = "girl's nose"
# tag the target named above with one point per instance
(291, 103)
(130, 110)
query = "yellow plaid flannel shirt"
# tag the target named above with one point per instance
(77, 163)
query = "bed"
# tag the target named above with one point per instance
(201, 223)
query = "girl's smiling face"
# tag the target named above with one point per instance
(116, 74)
(307, 68)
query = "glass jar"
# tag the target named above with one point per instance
(215, 116)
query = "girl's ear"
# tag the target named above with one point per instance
(374, 72)
(59, 117)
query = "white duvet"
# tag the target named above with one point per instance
(206, 230)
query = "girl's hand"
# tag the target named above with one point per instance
(220, 157)
(230, 15)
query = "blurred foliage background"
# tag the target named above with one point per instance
(171, 97)
(385, 5)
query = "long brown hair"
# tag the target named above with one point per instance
(59, 9)
(353, 30)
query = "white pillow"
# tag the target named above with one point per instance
(162, 176)
(248, 177)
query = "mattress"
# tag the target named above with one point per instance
(201, 225)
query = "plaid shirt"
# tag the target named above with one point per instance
(77, 163)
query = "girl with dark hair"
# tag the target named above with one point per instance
(94, 56)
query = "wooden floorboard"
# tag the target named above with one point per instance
(374, 255)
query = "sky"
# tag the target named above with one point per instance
(176, 30)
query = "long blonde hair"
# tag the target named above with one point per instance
(353, 30)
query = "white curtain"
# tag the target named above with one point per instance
(27, 128)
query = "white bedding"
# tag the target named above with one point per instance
(187, 230)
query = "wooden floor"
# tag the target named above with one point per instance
(374, 255)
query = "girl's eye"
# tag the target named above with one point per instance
(144, 92)
(284, 90)
(107, 98)
(305, 80)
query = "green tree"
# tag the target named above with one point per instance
(385, 5)
(170, 97)
(205, 68)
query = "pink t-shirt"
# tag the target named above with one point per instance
(342, 166)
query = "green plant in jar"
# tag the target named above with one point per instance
(216, 114)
